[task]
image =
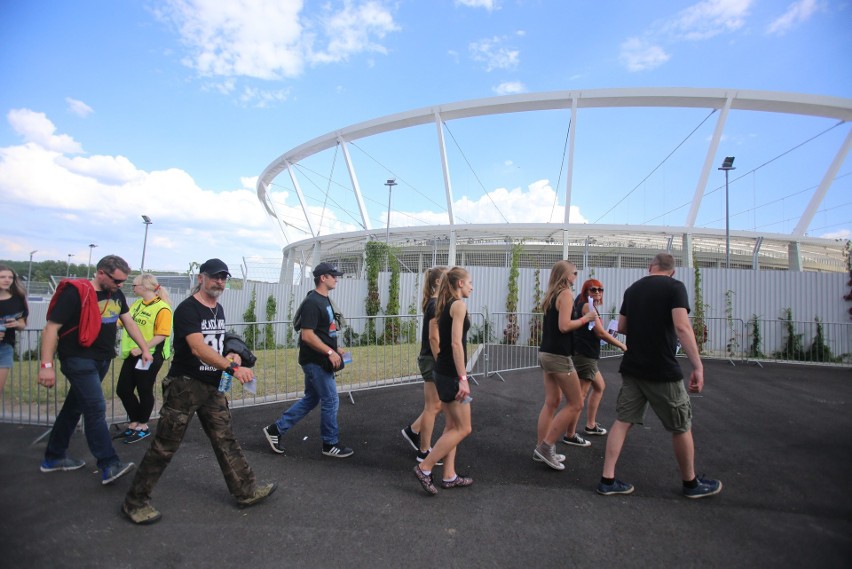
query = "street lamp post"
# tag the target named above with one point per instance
(147, 221)
(390, 184)
(727, 166)
(89, 265)
(30, 272)
(68, 268)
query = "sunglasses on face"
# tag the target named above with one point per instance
(118, 282)
(594, 289)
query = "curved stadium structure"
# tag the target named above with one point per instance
(807, 162)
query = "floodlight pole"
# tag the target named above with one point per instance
(390, 184)
(68, 268)
(727, 166)
(89, 265)
(147, 221)
(30, 272)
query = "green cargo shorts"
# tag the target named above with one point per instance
(668, 399)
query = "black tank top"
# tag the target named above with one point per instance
(586, 342)
(445, 364)
(552, 340)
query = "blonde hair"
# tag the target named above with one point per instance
(149, 282)
(558, 282)
(446, 291)
(430, 284)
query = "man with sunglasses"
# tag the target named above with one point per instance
(85, 368)
(192, 388)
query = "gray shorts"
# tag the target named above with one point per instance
(426, 365)
(668, 399)
(555, 363)
(587, 368)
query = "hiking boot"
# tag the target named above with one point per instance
(617, 487)
(56, 464)
(273, 437)
(260, 494)
(142, 516)
(559, 457)
(547, 455)
(425, 481)
(337, 451)
(412, 438)
(421, 456)
(115, 471)
(596, 430)
(458, 482)
(137, 436)
(576, 440)
(706, 487)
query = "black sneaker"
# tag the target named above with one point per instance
(273, 437)
(706, 487)
(421, 456)
(412, 438)
(596, 430)
(425, 481)
(137, 436)
(337, 451)
(576, 441)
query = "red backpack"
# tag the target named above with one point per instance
(90, 315)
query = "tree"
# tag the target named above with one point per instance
(269, 328)
(250, 317)
(512, 331)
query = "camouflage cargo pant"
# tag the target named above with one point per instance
(183, 397)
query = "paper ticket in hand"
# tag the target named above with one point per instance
(143, 365)
(592, 310)
(251, 386)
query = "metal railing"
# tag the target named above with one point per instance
(385, 349)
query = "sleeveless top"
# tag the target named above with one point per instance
(586, 342)
(445, 365)
(428, 315)
(552, 340)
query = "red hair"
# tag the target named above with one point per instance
(584, 292)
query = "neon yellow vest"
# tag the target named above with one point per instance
(145, 315)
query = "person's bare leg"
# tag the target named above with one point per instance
(614, 444)
(684, 450)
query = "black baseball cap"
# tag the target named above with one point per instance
(327, 269)
(214, 267)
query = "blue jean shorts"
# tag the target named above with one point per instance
(6, 351)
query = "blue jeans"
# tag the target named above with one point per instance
(86, 398)
(319, 388)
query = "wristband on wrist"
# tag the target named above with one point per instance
(46, 365)
(329, 352)
(232, 367)
(463, 378)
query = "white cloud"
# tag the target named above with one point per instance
(698, 22)
(637, 55)
(79, 108)
(510, 88)
(494, 54)
(796, 13)
(707, 19)
(487, 4)
(37, 128)
(274, 39)
(841, 234)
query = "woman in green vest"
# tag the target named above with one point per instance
(152, 313)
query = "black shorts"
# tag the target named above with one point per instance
(448, 387)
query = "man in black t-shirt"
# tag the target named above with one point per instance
(654, 315)
(85, 369)
(192, 388)
(319, 356)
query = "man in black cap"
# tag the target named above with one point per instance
(192, 387)
(319, 357)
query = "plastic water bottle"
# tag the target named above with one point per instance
(591, 308)
(225, 382)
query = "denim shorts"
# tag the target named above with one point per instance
(6, 358)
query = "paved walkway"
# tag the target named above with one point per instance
(780, 438)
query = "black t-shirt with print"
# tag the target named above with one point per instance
(12, 308)
(317, 315)
(67, 312)
(192, 317)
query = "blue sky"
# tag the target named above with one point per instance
(172, 109)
